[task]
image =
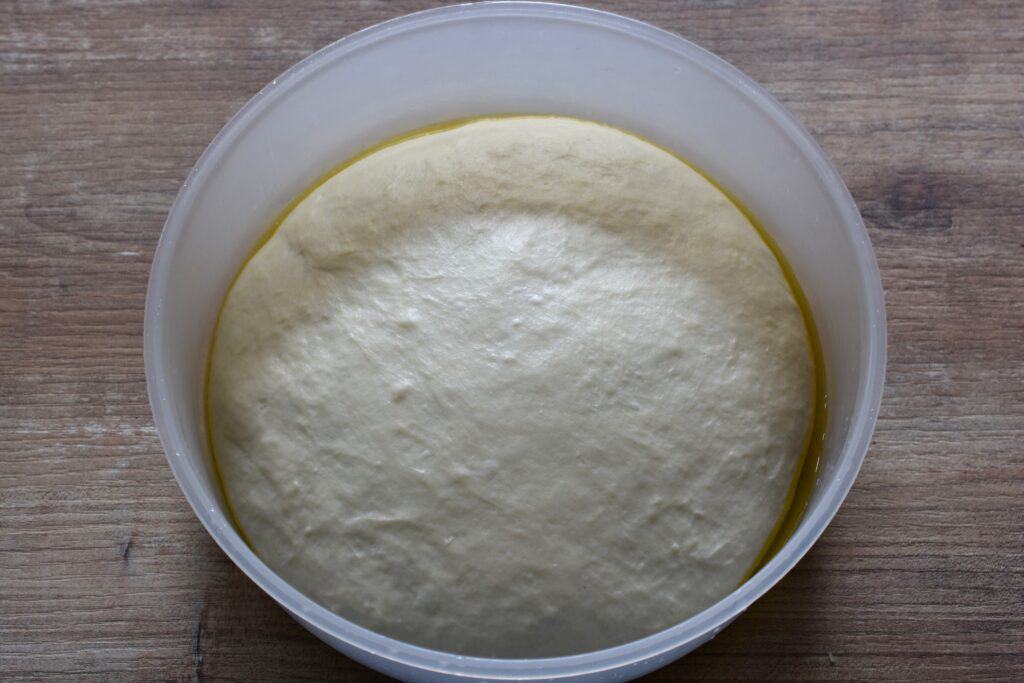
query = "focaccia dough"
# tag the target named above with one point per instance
(525, 387)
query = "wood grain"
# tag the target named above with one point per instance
(104, 106)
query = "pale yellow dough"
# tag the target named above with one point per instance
(526, 387)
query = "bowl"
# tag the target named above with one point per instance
(512, 57)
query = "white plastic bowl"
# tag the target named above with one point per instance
(511, 57)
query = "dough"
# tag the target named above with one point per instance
(526, 387)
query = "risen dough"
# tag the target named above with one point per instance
(526, 387)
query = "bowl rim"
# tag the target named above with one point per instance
(708, 622)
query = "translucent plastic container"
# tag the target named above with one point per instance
(512, 57)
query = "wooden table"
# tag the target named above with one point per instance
(105, 573)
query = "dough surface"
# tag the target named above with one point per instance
(526, 387)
